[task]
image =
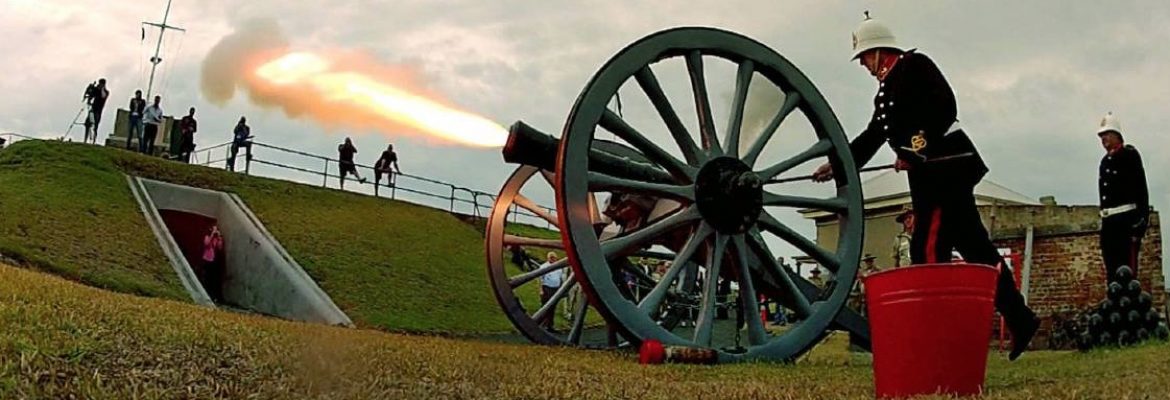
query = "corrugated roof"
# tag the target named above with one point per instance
(889, 184)
(890, 188)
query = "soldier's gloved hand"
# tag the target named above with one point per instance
(823, 173)
(901, 165)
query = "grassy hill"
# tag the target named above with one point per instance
(64, 340)
(65, 208)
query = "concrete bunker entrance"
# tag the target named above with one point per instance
(191, 232)
(252, 271)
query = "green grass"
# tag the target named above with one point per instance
(70, 212)
(63, 340)
(388, 264)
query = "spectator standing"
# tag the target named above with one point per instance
(137, 107)
(153, 118)
(902, 241)
(345, 153)
(241, 137)
(96, 99)
(383, 166)
(187, 127)
(549, 283)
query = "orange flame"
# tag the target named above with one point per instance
(369, 98)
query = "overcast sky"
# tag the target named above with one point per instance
(1033, 78)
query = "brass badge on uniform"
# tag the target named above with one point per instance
(918, 142)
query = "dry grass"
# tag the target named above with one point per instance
(64, 340)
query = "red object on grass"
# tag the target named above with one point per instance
(651, 352)
(930, 327)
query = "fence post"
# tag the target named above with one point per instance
(393, 185)
(452, 209)
(248, 159)
(325, 179)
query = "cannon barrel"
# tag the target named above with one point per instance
(529, 146)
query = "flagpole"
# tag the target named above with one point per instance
(154, 61)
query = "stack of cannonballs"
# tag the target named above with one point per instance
(1125, 317)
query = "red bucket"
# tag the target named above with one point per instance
(930, 327)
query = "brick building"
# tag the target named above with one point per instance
(1053, 248)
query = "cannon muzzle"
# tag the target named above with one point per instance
(528, 146)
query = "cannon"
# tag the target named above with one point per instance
(700, 201)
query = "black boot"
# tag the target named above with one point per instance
(1022, 336)
(1020, 319)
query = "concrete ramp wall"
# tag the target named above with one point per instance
(259, 275)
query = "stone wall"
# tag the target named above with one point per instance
(1066, 273)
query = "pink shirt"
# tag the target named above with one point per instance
(210, 246)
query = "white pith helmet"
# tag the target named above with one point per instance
(872, 34)
(1109, 124)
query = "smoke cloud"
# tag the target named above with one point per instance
(229, 63)
(335, 88)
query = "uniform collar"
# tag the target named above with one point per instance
(893, 64)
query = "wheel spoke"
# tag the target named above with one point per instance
(599, 182)
(549, 177)
(653, 90)
(743, 79)
(836, 205)
(653, 299)
(578, 320)
(550, 306)
(819, 149)
(706, 321)
(510, 240)
(822, 256)
(791, 100)
(521, 279)
(622, 243)
(802, 306)
(703, 104)
(594, 210)
(747, 294)
(614, 123)
(531, 206)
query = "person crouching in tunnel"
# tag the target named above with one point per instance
(915, 113)
(212, 276)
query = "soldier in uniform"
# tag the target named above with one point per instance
(1125, 200)
(915, 113)
(903, 239)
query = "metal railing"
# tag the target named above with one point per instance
(419, 189)
(8, 138)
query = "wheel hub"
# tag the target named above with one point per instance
(729, 195)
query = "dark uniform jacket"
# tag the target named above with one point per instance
(913, 112)
(1122, 180)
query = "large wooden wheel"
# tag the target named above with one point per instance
(722, 214)
(515, 268)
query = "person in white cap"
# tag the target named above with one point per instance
(1125, 200)
(915, 113)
